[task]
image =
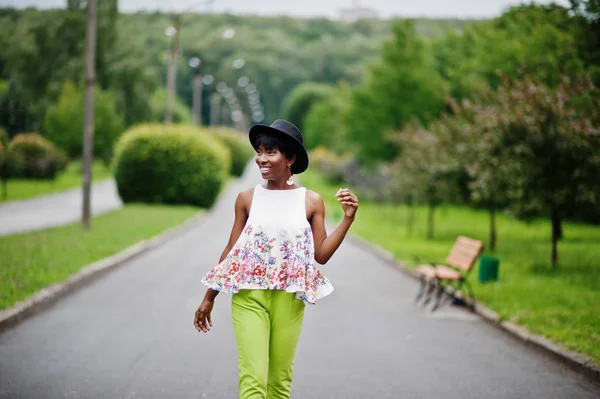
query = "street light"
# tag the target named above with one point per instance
(251, 88)
(174, 32)
(221, 87)
(243, 81)
(208, 79)
(195, 63)
(239, 63)
(171, 31)
(228, 33)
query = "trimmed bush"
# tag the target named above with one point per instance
(177, 164)
(239, 146)
(41, 159)
(63, 123)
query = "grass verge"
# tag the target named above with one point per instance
(70, 178)
(32, 261)
(560, 303)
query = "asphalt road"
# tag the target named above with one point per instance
(130, 335)
(55, 209)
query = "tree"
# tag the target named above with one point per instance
(15, 113)
(324, 125)
(589, 35)
(64, 122)
(425, 172)
(546, 143)
(537, 40)
(299, 102)
(402, 87)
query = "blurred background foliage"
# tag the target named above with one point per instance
(44, 48)
(420, 111)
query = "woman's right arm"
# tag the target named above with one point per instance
(242, 210)
(202, 319)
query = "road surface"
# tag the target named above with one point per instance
(130, 335)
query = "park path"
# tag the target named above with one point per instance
(130, 335)
(56, 209)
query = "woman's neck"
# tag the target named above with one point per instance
(279, 185)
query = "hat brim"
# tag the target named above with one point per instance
(301, 162)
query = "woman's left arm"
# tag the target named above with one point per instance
(325, 246)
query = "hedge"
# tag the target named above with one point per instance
(178, 164)
(41, 159)
(239, 146)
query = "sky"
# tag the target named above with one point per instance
(312, 8)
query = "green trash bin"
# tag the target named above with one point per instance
(488, 269)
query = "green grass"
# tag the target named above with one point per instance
(561, 304)
(32, 261)
(70, 178)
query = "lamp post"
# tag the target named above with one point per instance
(174, 33)
(215, 97)
(196, 64)
(215, 103)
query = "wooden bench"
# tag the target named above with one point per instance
(452, 274)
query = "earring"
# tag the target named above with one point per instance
(290, 180)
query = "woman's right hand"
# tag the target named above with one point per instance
(202, 320)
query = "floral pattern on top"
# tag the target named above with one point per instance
(258, 261)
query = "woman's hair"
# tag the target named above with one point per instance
(271, 141)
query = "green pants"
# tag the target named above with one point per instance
(267, 325)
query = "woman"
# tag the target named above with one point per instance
(269, 262)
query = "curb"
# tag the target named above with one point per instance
(576, 361)
(49, 295)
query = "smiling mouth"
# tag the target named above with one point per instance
(264, 170)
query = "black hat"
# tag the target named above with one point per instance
(287, 129)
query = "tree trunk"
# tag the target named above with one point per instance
(492, 229)
(4, 188)
(560, 235)
(556, 227)
(88, 120)
(430, 214)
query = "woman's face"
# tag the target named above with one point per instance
(272, 163)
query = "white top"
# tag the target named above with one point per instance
(275, 250)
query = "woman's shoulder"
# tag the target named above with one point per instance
(246, 193)
(313, 197)
(245, 196)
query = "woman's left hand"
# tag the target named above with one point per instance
(349, 202)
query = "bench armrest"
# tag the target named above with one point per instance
(433, 263)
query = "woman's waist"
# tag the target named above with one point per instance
(274, 228)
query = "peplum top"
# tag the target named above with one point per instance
(275, 251)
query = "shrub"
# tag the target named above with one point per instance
(239, 147)
(63, 123)
(177, 165)
(40, 157)
(331, 165)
